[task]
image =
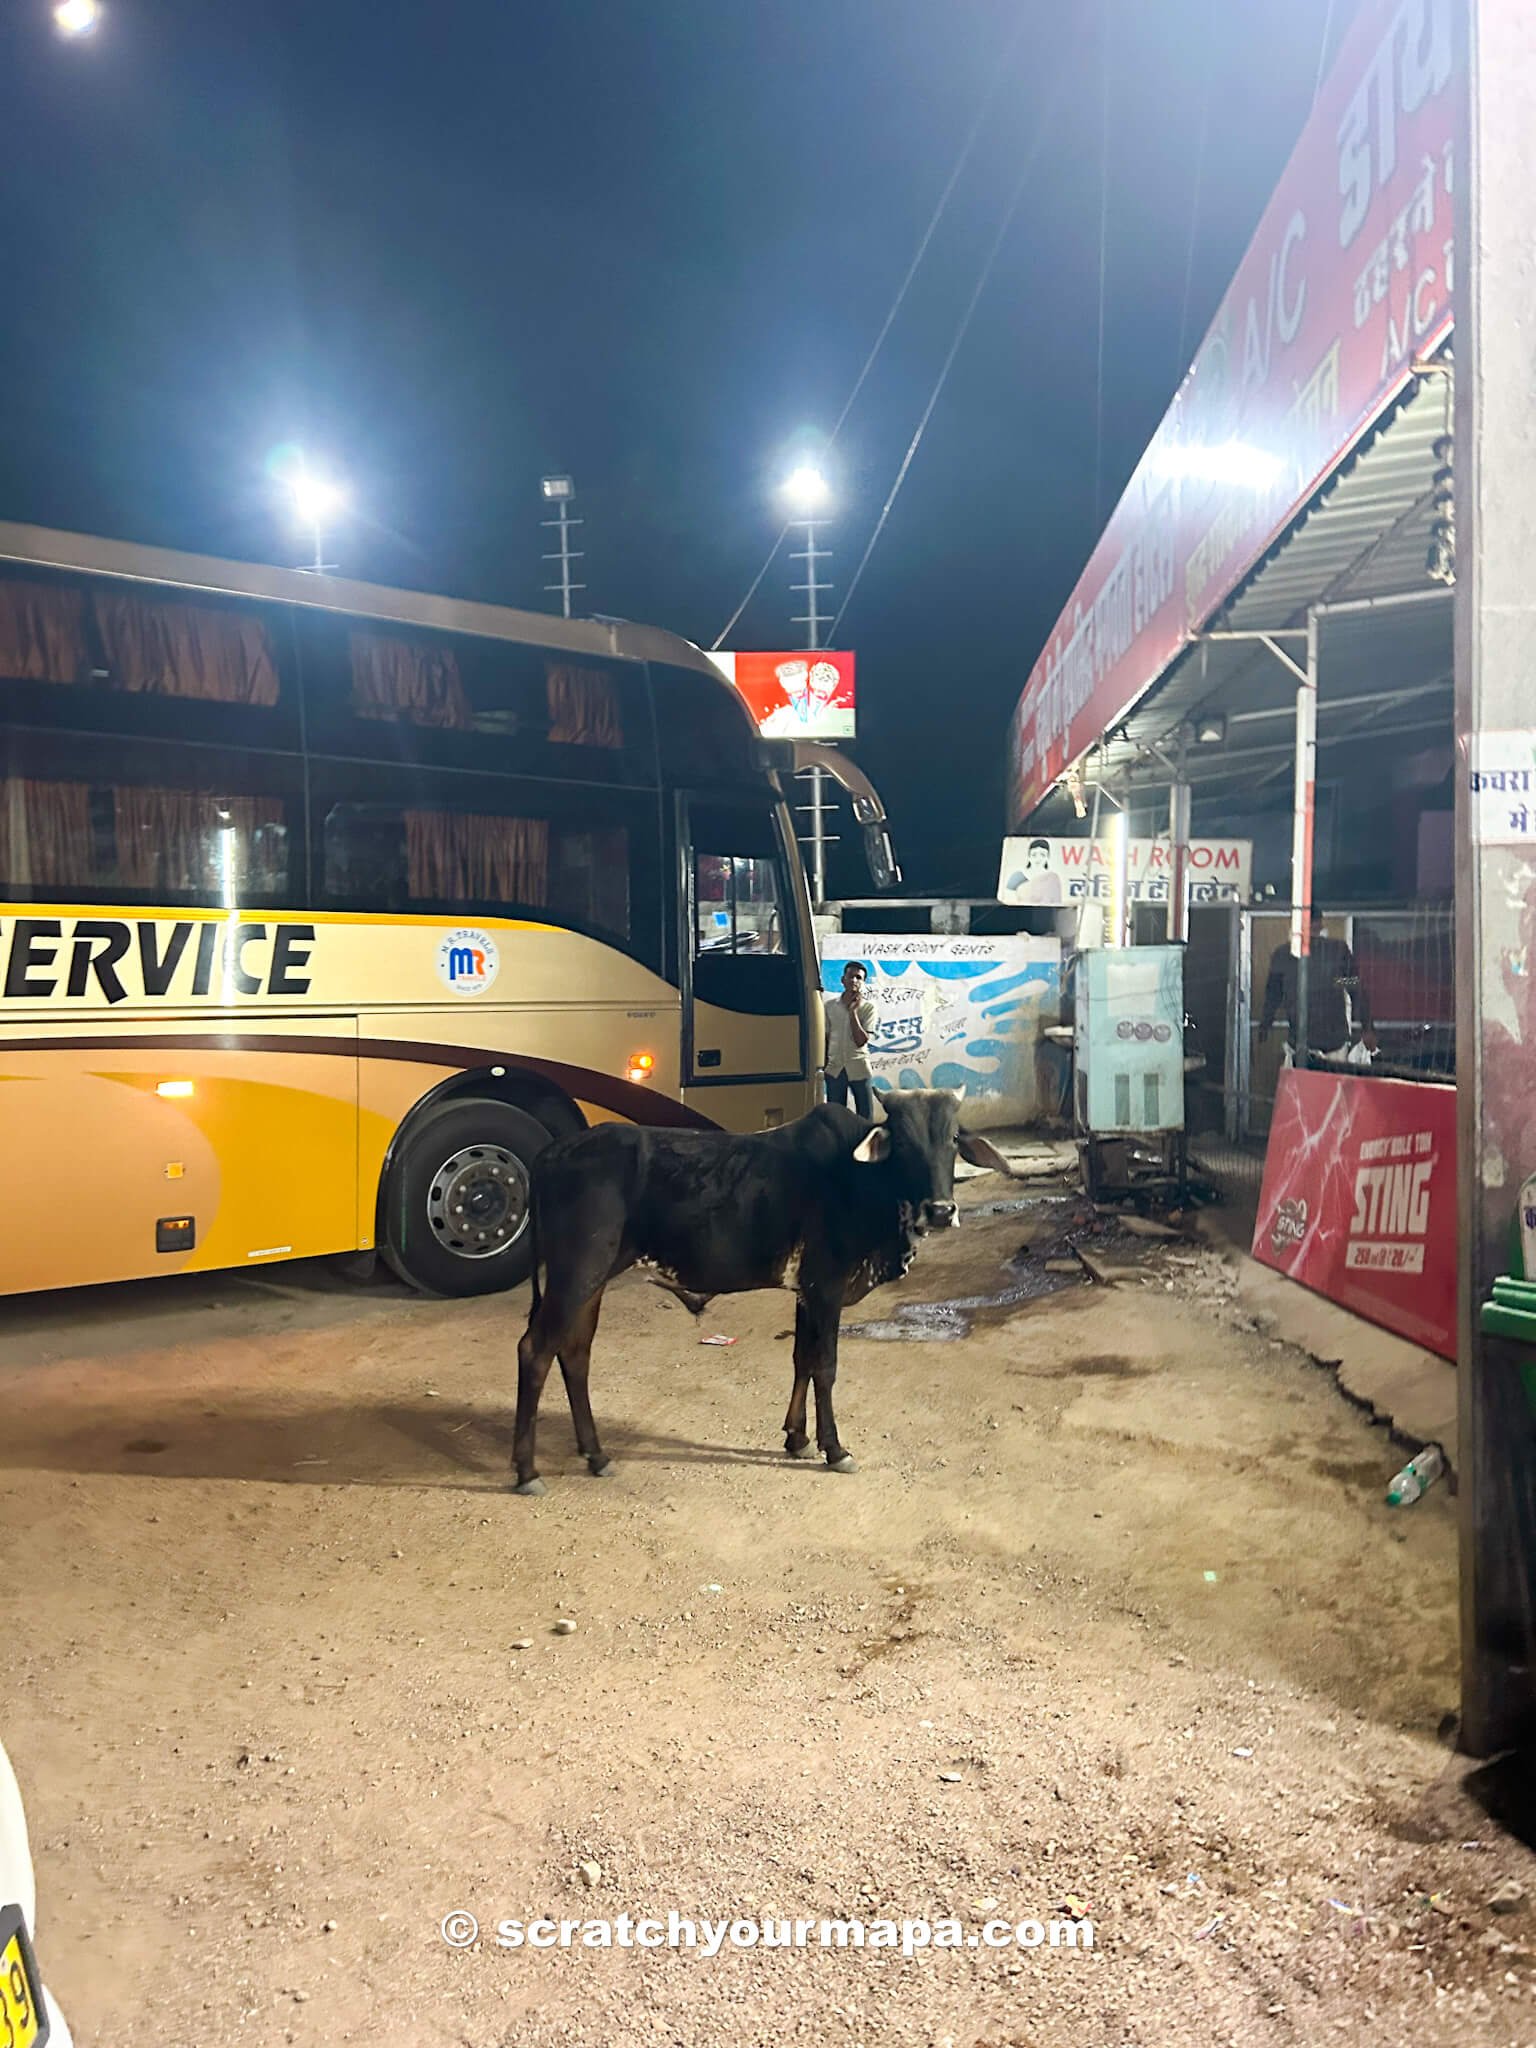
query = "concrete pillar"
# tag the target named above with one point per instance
(1495, 489)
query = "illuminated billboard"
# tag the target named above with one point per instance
(800, 695)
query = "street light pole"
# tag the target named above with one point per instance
(807, 492)
(812, 619)
(315, 498)
(559, 491)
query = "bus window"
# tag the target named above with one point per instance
(499, 848)
(404, 859)
(180, 844)
(161, 646)
(43, 632)
(46, 837)
(589, 878)
(702, 728)
(127, 821)
(736, 905)
(128, 658)
(376, 690)
(583, 705)
(741, 935)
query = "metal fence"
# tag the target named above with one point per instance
(1403, 983)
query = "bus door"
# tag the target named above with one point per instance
(745, 1036)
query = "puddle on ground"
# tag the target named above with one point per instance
(1023, 1279)
(1013, 1205)
(941, 1322)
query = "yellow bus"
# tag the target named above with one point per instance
(323, 907)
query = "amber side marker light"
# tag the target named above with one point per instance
(173, 1088)
(641, 1066)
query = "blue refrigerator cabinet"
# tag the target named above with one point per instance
(1128, 1017)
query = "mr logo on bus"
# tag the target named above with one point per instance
(468, 962)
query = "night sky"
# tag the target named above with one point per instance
(448, 245)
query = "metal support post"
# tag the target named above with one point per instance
(1495, 447)
(813, 619)
(1178, 858)
(1301, 839)
(818, 837)
(565, 555)
(1239, 1028)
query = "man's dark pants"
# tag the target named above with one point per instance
(838, 1086)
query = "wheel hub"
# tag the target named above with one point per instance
(477, 1201)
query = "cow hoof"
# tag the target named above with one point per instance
(792, 1449)
(843, 1464)
(602, 1471)
(528, 1486)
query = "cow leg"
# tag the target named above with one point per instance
(822, 1324)
(796, 1442)
(575, 1357)
(563, 1323)
(535, 1355)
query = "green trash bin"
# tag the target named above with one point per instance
(1511, 1310)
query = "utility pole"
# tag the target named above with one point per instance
(810, 490)
(559, 491)
(315, 500)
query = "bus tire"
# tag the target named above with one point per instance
(456, 1214)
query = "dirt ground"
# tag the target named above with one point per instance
(1112, 1611)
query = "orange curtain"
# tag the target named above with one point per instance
(583, 707)
(453, 857)
(174, 839)
(42, 633)
(45, 834)
(393, 678)
(185, 650)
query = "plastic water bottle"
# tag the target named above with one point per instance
(1416, 1477)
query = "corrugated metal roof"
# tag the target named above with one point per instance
(1384, 673)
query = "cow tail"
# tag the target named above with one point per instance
(533, 1225)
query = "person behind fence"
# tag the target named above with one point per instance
(1336, 1001)
(850, 1026)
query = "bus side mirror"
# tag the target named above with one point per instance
(884, 869)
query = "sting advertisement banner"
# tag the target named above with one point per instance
(1359, 1199)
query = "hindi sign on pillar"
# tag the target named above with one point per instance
(807, 695)
(1501, 783)
(1047, 872)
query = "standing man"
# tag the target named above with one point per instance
(850, 1026)
(1332, 980)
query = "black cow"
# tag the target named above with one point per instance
(831, 1206)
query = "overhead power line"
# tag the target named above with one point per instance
(954, 349)
(1195, 196)
(1098, 380)
(1322, 54)
(1000, 71)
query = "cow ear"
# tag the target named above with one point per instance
(958, 1093)
(977, 1152)
(874, 1147)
